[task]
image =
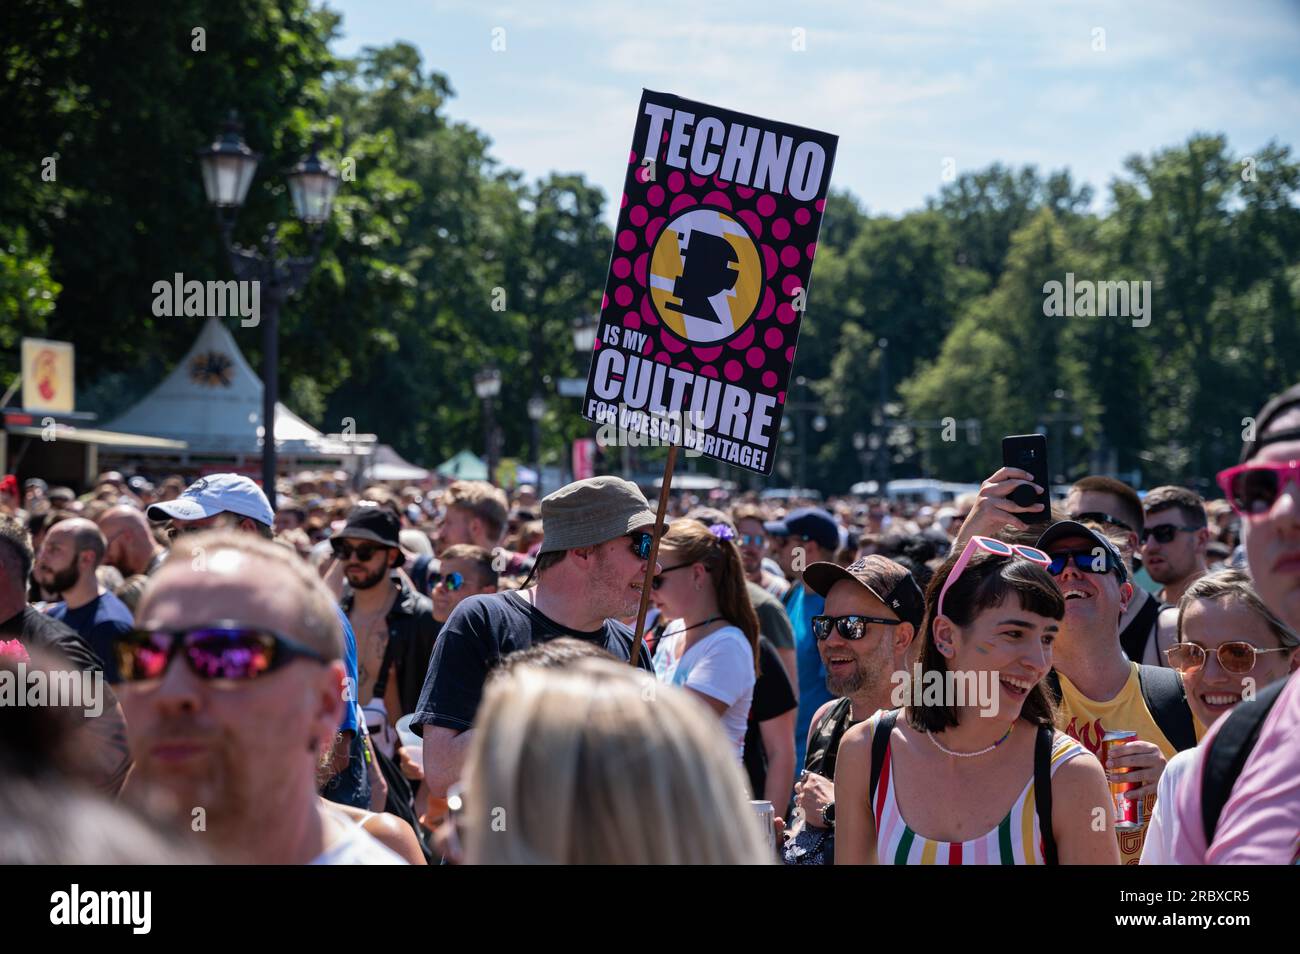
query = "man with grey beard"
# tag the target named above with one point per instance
(874, 609)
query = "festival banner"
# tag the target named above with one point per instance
(708, 281)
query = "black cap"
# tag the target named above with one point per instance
(1065, 529)
(815, 524)
(887, 581)
(376, 524)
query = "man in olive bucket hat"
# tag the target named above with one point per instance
(589, 573)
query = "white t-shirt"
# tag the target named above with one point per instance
(720, 666)
(350, 844)
(1163, 830)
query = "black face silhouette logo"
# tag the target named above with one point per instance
(709, 268)
(705, 275)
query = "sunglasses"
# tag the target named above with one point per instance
(1252, 489)
(988, 545)
(363, 551)
(641, 541)
(851, 628)
(1096, 516)
(1085, 561)
(223, 650)
(752, 540)
(658, 580)
(452, 581)
(1166, 532)
(1236, 657)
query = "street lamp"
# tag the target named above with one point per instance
(537, 411)
(228, 166)
(584, 334)
(487, 385)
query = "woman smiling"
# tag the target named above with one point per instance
(963, 781)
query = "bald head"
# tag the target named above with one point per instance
(226, 575)
(130, 543)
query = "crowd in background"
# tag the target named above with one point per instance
(440, 672)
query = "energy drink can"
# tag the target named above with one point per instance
(1128, 812)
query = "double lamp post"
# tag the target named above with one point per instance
(228, 167)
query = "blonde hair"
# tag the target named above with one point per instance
(480, 499)
(596, 763)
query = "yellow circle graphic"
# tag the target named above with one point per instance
(706, 276)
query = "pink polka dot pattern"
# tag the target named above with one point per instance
(785, 232)
(744, 339)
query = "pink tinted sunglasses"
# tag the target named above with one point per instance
(988, 545)
(1252, 489)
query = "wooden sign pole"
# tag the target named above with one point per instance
(654, 553)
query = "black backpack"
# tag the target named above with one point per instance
(1162, 691)
(1228, 752)
(1042, 776)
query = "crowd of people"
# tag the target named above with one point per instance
(451, 674)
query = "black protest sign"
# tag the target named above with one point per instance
(708, 281)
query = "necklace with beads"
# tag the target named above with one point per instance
(969, 755)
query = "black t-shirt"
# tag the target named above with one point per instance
(35, 630)
(476, 635)
(773, 696)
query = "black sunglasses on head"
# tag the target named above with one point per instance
(223, 650)
(850, 627)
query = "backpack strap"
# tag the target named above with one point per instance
(1134, 637)
(1043, 790)
(1162, 690)
(879, 743)
(837, 721)
(1227, 754)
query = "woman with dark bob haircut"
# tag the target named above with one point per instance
(975, 771)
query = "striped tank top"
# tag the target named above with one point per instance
(1007, 844)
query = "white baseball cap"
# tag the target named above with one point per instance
(214, 494)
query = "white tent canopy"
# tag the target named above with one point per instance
(212, 400)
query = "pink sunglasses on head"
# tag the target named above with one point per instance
(997, 548)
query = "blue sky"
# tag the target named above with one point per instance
(905, 85)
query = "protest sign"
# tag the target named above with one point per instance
(708, 281)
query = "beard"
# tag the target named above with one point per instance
(60, 581)
(865, 678)
(610, 594)
(368, 581)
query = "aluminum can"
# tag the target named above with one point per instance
(1128, 812)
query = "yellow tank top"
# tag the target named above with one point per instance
(1087, 721)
